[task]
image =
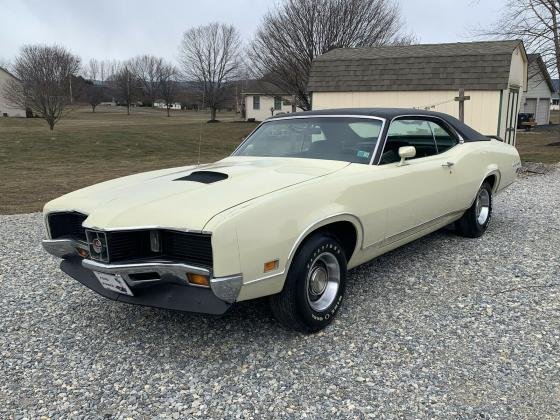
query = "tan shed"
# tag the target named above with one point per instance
(493, 74)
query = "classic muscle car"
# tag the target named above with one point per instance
(304, 198)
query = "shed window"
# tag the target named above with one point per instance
(256, 102)
(277, 104)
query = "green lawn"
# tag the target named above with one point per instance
(37, 164)
(541, 144)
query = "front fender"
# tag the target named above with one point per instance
(272, 228)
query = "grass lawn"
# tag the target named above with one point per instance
(37, 165)
(541, 144)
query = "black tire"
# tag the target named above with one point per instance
(294, 307)
(471, 224)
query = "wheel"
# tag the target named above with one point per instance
(474, 222)
(314, 286)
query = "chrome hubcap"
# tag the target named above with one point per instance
(323, 281)
(482, 207)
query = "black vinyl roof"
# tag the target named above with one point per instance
(388, 114)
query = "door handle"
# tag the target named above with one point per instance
(448, 164)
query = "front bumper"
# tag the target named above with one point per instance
(161, 284)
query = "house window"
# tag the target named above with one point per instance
(277, 104)
(256, 102)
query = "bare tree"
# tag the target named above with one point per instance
(91, 69)
(168, 85)
(126, 83)
(289, 38)
(147, 69)
(210, 57)
(94, 95)
(536, 22)
(44, 85)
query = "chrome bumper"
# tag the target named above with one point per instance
(224, 288)
(64, 248)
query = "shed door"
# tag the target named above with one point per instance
(511, 116)
(543, 113)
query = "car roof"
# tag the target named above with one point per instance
(388, 114)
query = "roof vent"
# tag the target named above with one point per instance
(205, 177)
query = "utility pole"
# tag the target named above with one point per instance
(461, 99)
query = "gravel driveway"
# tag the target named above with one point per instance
(443, 327)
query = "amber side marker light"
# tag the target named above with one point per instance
(82, 252)
(270, 266)
(198, 279)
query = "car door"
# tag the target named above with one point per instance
(421, 191)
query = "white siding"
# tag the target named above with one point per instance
(5, 108)
(481, 111)
(266, 103)
(518, 70)
(538, 93)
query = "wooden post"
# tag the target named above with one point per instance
(461, 99)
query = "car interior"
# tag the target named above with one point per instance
(347, 139)
(427, 137)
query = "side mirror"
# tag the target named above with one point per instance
(406, 152)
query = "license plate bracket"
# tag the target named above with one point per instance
(113, 282)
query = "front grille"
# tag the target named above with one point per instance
(189, 247)
(67, 225)
(129, 245)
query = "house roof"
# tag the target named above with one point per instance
(7, 72)
(261, 87)
(536, 58)
(472, 65)
(556, 85)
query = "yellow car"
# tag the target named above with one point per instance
(304, 198)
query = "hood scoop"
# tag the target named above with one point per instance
(204, 177)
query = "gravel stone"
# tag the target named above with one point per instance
(443, 327)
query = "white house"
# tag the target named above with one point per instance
(555, 102)
(160, 103)
(6, 109)
(538, 97)
(262, 100)
(492, 73)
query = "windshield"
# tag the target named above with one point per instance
(330, 138)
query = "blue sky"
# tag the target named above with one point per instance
(118, 29)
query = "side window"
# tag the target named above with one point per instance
(408, 132)
(256, 102)
(444, 139)
(277, 104)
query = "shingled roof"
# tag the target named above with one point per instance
(471, 65)
(537, 59)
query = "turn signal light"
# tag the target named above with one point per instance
(82, 252)
(270, 266)
(198, 279)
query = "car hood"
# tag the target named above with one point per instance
(162, 199)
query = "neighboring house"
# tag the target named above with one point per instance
(539, 93)
(160, 103)
(6, 110)
(493, 74)
(555, 100)
(262, 100)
